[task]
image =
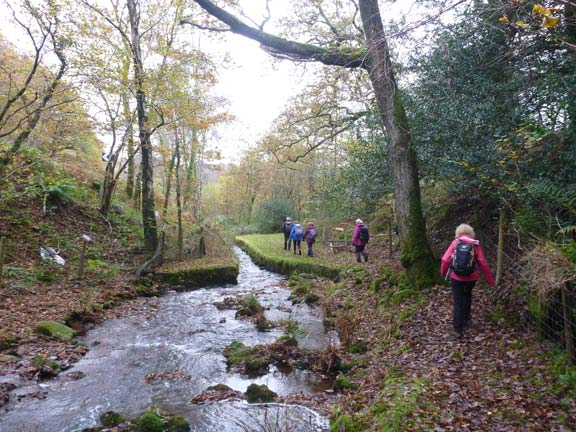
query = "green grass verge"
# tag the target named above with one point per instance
(267, 250)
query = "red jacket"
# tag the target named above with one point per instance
(480, 259)
(307, 238)
(355, 240)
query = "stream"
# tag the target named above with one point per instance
(186, 334)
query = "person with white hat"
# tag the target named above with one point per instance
(286, 228)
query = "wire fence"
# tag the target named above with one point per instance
(538, 290)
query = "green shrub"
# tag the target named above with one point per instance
(271, 214)
(148, 422)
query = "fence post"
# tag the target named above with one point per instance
(1, 259)
(389, 239)
(500, 256)
(85, 240)
(568, 323)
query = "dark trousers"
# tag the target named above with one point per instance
(297, 244)
(287, 241)
(359, 250)
(462, 294)
(310, 251)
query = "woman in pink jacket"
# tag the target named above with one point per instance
(462, 284)
(358, 242)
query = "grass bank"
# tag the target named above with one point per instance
(268, 250)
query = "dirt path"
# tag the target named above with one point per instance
(493, 379)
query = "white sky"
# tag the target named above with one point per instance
(258, 89)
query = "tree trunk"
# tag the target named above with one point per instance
(137, 197)
(416, 254)
(108, 186)
(168, 188)
(129, 124)
(147, 167)
(180, 252)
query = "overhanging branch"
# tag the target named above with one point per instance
(341, 56)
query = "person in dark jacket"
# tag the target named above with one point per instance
(296, 235)
(310, 238)
(359, 244)
(286, 228)
(462, 285)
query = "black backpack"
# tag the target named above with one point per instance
(463, 261)
(363, 234)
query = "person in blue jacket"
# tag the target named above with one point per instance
(296, 235)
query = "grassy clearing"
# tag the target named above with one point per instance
(268, 250)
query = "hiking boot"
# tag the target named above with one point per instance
(366, 258)
(299, 252)
(458, 334)
(471, 324)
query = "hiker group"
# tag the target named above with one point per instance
(462, 262)
(294, 234)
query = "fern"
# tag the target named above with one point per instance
(548, 192)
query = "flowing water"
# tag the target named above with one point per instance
(186, 334)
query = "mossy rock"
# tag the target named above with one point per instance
(259, 393)
(148, 422)
(262, 324)
(311, 299)
(250, 307)
(47, 368)
(252, 358)
(7, 341)
(290, 341)
(111, 419)
(177, 424)
(55, 330)
(219, 388)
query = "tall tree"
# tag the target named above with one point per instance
(374, 57)
(147, 164)
(45, 28)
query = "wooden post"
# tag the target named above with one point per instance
(389, 239)
(568, 324)
(82, 257)
(500, 257)
(1, 259)
(86, 240)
